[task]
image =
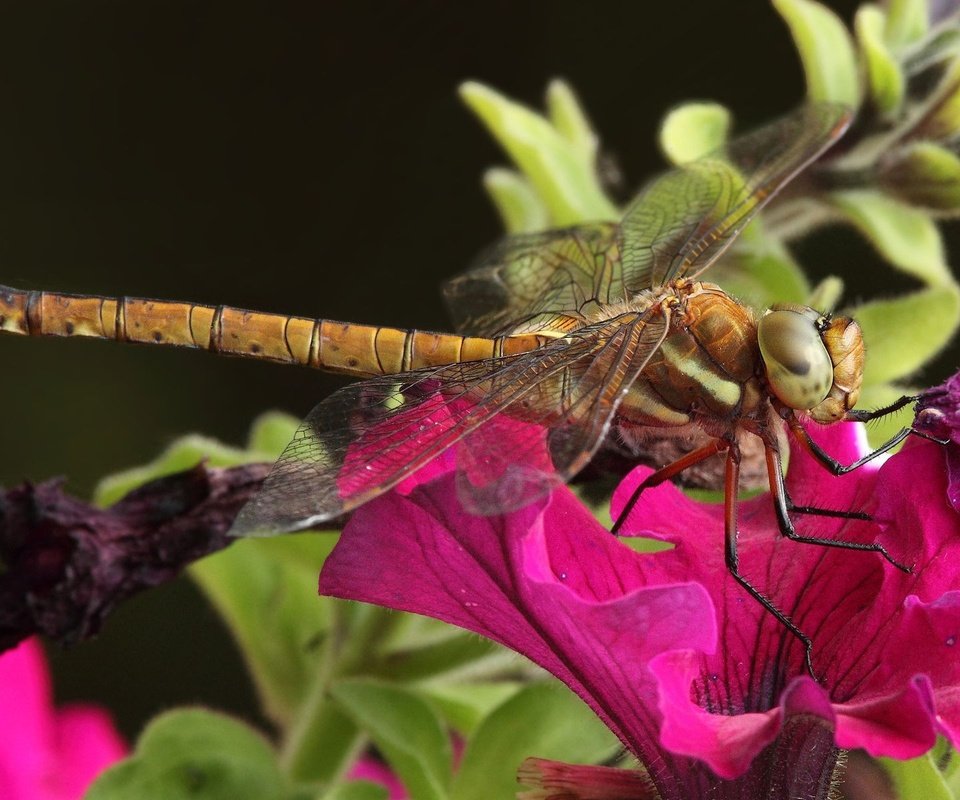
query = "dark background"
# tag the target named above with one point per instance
(310, 158)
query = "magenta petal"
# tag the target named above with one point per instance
(912, 504)
(86, 744)
(638, 636)
(26, 719)
(888, 660)
(46, 754)
(898, 725)
(546, 581)
(727, 743)
(903, 722)
(953, 473)
(846, 442)
(367, 769)
(810, 484)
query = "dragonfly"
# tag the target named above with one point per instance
(565, 339)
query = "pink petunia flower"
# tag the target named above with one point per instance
(696, 678)
(47, 753)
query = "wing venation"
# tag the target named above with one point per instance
(553, 406)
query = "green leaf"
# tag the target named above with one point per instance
(466, 705)
(405, 729)
(947, 760)
(906, 21)
(937, 50)
(266, 592)
(412, 631)
(291, 640)
(515, 201)
(544, 719)
(917, 778)
(759, 271)
(570, 120)
(693, 130)
(565, 181)
(324, 742)
(269, 435)
(184, 453)
(826, 294)
(827, 53)
(904, 333)
(885, 78)
(942, 121)
(904, 236)
(461, 650)
(195, 755)
(416, 649)
(357, 790)
(923, 174)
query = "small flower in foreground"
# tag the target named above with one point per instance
(675, 657)
(47, 753)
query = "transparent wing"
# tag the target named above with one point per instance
(684, 220)
(552, 280)
(679, 225)
(513, 428)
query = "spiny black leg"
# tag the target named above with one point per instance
(731, 486)
(817, 511)
(782, 618)
(834, 466)
(664, 474)
(778, 490)
(876, 413)
(827, 512)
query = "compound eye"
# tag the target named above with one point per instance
(799, 369)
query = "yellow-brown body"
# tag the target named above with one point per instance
(323, 344)
(706, 371)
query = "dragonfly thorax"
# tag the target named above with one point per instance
(813, 362)
(705, 371)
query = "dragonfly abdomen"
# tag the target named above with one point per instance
(319, 343)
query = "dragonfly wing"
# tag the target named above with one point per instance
(539, 281)
(517, 457)
(513, 428)
(684, 220)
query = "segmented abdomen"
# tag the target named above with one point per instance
(319, 343)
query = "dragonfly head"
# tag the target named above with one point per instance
(813, 362)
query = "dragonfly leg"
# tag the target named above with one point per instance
(834, 466)
(665, 474)
(782, 505)
(731, 487)
(817, 511)
(877, 413)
